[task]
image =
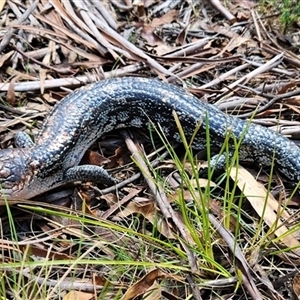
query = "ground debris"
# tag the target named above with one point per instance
(150, 237)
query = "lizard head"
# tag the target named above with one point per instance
(17, 170)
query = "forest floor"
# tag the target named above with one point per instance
(231, 236)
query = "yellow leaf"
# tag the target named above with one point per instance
(257, 196)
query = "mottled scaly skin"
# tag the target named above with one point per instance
(89, 112)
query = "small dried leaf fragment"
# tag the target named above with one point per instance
(11, 96)
(95, 158)
(6, 56)
(147, 283)
(296, 286)
(148, 32)
(148, 210)
(77, 295)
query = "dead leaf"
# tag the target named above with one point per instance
(296, 286)
(140, 9)
(169, 17)
(11, 95)
(181, 38)
(45, 253)
(95, 158)
(149, 35)
(147, 283)
(77, 295)
(148, 210)
(6, 56)
(264, 204)
(148, 32)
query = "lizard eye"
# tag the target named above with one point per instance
(4, 172)
(9, 177)
(12, 168)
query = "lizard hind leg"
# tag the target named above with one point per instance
(217, 163)
(89, 173)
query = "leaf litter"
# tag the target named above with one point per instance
(232, 54)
